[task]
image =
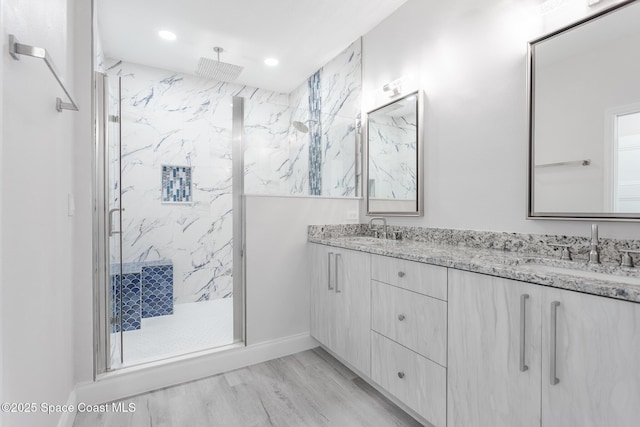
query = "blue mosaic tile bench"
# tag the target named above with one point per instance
(131, 319)
(147, 291)
(157, 290)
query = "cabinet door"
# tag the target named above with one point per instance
(596, 357)
(486, 384)
(352, 271)
(323, 324)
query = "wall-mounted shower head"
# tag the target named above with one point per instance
(301, 126)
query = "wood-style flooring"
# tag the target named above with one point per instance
(310, 388)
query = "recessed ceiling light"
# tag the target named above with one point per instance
(272, 62)
(166, 35)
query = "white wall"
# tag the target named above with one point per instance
(470, 59)
(36, 232)
(82, 162)
(1, 217)
(277, 285)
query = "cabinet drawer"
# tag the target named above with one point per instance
(418, 277)
(418, 382)
(416, 321)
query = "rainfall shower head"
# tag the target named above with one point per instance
(302, 127)
(217, 70)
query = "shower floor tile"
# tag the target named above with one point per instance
(192, 327)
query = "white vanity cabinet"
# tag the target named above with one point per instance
(409, 334)
(527, 355)
(341, 303)
(597, 361)
(487, 382)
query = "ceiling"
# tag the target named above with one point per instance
(302, 34)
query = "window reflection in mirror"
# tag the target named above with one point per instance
(393, 149)
(626, 147)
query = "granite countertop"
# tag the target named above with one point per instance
(609, 280)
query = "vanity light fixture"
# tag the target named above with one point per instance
(167, 35)
(271, 62)
(395, 87)
(551, 5)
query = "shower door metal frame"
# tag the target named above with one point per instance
(102, 231)
(99, 230)
(239, 221)
(101, 261)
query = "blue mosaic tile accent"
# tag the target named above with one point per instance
(176, 184)
(131, 309)
(315, 135)
(157, 290)
(115, 301)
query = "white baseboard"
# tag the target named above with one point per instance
(120, 385)
(67, 418)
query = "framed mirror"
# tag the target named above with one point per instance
(394, 157)
(584, 111)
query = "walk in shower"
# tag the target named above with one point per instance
(176, 154)
(171, 204)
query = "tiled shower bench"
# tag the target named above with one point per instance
(147, 291)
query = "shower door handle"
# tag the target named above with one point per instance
(111, 212)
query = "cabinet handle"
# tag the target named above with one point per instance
(401, 375)
(335, 270)
(400, 273)
(401, 317)
(523, 322)
(553, 336)
(329, 272)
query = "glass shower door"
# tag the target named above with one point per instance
(117, 276)
(109, 165)
(171, 221)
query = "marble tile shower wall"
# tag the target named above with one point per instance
(297, 171)
(176, 119)
(277, 157)
(267, 154)
(392, 157)
(341, 102)
(173, 119)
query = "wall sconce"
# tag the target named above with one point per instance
(395, 87)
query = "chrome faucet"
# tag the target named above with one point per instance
(384, 225)
(594, 255)
(627, 261)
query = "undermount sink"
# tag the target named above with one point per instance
(541, 268)
(369, 241)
